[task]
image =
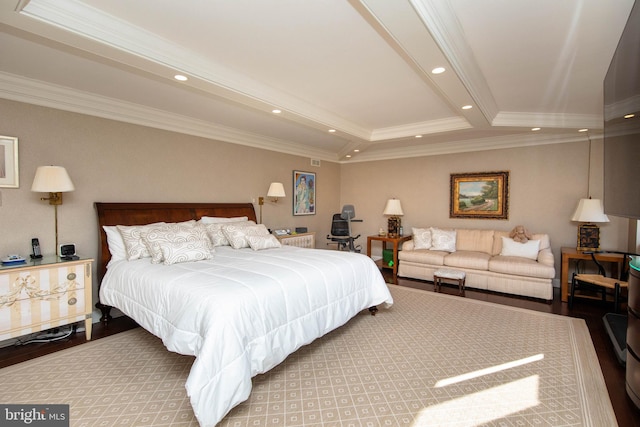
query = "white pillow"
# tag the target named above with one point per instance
(115, 243)
(175, 252)
(156, 237)
(220, 220)
(132, 237)
(263, 242)
(524, 250)
(237, 235)
(421, 238)
(216, 234)
(443, 240)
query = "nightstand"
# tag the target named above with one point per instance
(301, 240)
(43, 294)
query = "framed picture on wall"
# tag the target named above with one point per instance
(9, 176)
(482, 195)
(304, 193)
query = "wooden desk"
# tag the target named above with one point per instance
(396, 242)
(573, 254)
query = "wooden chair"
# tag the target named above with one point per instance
(600, 284)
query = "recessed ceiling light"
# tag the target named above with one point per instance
(418, 136)
(356, 151)
(628, 116)
(438, 70)
(180, 78)
(583, 130)
(348, 156)
(276, 111)
(535, 129)
(467, 107)
(332, 130)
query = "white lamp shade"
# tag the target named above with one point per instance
(52, 179)
(276, 189)
(590, 210)
(393, 208)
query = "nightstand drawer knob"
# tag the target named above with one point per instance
(71, 276)
(72, 301)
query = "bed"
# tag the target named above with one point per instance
(241, 312)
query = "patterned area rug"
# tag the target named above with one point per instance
(430, 360)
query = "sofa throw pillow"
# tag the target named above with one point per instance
(421, 238)
(443, 240)
(524, 250)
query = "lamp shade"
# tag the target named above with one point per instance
(393, 208)
(52, 179)
(590, 210)
(276, 189)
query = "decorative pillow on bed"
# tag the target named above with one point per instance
(237, 236)
(157, 237)
(443, 240)
(263, 242)
(115, 243)
(421, 238)
(216, 234)
(175, 252)
(132, 237)
(525, 250)
(220, 220)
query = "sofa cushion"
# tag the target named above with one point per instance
(421, 238)
(498, 235)
(528, 249)
(443, 240)
(518, 266)
(468, 259)
(423, 256)
(474, 240)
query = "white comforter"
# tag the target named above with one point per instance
(242, 312)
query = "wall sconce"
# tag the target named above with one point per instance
(276, 190)
(394, 210)
(53, 180)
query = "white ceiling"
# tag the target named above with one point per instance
(360, 67)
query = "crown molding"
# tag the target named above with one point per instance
(423, 128)
(35, 92)
(548, 120)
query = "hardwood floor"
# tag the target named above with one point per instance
(592, 312)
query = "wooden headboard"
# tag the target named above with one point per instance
(147, 213)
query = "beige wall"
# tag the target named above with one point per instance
(546, 183)
(111, 161)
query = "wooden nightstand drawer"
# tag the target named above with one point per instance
(43, 296)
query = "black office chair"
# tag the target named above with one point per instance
(341, 230)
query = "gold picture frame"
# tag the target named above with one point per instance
(480, 195)
(9, 173)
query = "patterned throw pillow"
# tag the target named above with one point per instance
(237, 235)
(443, 240)
(263, 242)
(421, 238)
(175, 252)
(155, 238)
(217, 236)
(132, 237)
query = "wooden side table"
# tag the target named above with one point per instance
(573, 254)
(396, 242)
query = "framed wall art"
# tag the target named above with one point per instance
(304, 193)
(481, 195)
(9, 174)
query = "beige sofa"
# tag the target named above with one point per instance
(480, 254)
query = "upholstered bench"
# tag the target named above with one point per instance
(449, 274)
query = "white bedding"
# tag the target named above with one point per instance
(242, 312)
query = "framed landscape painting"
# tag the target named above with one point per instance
(304, 193)
(9, 176)
(482, 195)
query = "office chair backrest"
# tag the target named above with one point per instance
(339, 226)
